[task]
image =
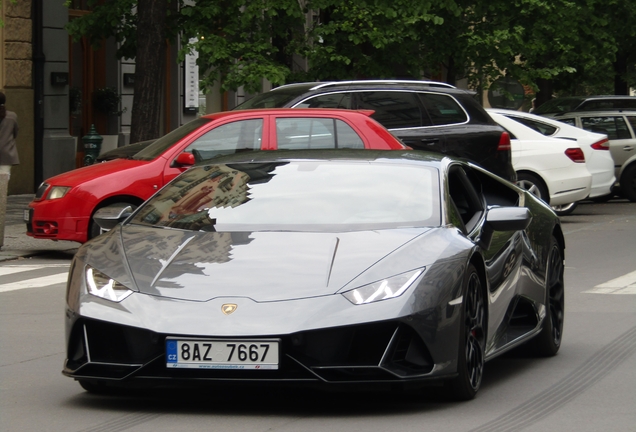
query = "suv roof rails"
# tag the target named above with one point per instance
(428, 83)
(319, 85)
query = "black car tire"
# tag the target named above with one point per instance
(548, 342)
(94, 230)
(628, 182)
(472, 339)
(565, 209)
(534, 185)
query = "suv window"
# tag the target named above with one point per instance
(332, 100)
(442, 109)
(614, 127)
(228, 139)
(393, 109)
(315, 133)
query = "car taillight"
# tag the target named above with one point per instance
(576, 154)
(601, 145)
(504, 142)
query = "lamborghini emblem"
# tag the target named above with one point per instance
(228, 308)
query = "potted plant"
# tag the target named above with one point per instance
(106, 100)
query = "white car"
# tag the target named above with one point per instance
(553, 169)
(596, 146)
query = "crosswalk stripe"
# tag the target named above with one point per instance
(625, 284)
(13, 269)
(35, 282)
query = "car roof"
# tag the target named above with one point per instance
(262, 156)
(296, 112)
(319, 87)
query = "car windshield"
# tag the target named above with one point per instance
(168, 140)
(558, 105)
(297, 196)
(277, 98)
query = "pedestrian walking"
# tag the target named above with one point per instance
(8, 134)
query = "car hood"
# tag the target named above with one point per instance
(262, 266)
(124, 152)
(92, 172)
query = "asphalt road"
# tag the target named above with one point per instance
(588, 386)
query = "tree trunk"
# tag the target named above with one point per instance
(620, 69)
(545, 92)
(149, 70)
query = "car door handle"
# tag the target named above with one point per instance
(628, 148)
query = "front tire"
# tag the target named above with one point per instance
(548, 342)
(628, 183)
(95, 230)
(472, 339)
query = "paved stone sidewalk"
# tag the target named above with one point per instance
(16, 242)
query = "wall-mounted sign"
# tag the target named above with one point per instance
(59, 79)
(191, 77)
(129, 80)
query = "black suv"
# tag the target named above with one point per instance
(425, 115)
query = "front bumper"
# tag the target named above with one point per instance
(376, 353)
(42, 222)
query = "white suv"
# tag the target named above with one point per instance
(620, 127)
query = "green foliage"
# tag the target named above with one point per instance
(573, 43)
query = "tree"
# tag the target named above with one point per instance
(141, 29)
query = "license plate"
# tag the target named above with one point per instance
(222, 353)
(26, 215)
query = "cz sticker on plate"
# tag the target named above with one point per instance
(222, 353)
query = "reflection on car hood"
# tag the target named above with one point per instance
(124, 152)
(264, 266)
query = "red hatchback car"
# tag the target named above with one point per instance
(64, 205)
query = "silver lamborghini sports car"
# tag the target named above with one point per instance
(334, 268)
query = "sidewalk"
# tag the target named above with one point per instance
(16, 242)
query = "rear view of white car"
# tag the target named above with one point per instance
(598, 158)
(553, 169)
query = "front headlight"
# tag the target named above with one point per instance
(382, 290)
(57, 192)
(102, 286)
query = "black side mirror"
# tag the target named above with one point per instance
(503, 219)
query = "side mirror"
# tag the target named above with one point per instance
(109, 217)
(184, 159)
(503, 219)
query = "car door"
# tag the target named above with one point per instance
(621, 136)
(223, 138)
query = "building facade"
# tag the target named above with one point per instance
(51, 82)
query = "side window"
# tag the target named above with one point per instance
(393, 109)
(332, 100)
(315, 133)
(465, 198)
(632, 122)
(542, 128)
(569, 121)
(230, 138)
(443, 109)
(613, 126)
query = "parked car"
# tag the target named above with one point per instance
(598, 159)
(568, 104)
(64, 205)
(425, 115)
(317, 268)
(553, 169)
(620, 127)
